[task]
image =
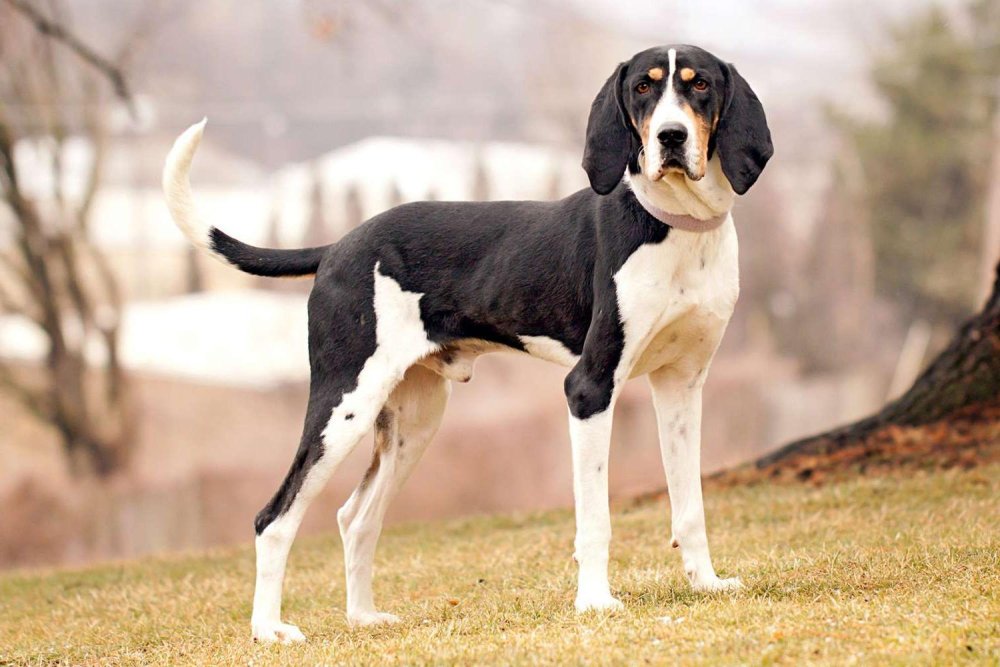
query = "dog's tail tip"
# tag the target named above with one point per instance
(177, 185)
(182, 152)
(195, 132)
(198, 128)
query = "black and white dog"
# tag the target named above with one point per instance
(637, 276)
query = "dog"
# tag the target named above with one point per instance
(635, 276)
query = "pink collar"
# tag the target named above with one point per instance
(688, 223)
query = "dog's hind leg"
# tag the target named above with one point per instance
(322, 449)
(352, 380)
(403, 429)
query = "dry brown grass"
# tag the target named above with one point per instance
(887, 570)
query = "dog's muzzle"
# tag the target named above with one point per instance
(672, 146)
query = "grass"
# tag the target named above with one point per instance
(887, 570)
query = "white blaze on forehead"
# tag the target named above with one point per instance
(668, 110)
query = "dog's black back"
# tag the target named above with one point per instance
(492, 271)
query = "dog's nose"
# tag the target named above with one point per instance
(672, 135)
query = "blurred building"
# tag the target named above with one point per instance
(351, 184)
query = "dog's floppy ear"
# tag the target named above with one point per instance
(743, 139)
(609, 139)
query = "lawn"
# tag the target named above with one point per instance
(888, 570)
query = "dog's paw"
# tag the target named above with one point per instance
(715, 584)
(362, 619)
(604, 602)
(280, 633)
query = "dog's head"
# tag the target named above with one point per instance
(671, 109)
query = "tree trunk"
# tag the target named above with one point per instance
(954, 404)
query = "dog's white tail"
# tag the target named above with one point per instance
(177, 187)
(258, 261)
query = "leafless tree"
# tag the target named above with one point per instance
(53, 88)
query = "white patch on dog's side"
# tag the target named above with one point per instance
(549, 349)
(400, 341)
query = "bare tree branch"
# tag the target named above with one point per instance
(94, 122)
(9, 304)
(58, 32)
(34, 400)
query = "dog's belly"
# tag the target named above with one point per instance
(685, 344)
(457, 360)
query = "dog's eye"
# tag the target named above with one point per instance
(701, 85)
(642, 88)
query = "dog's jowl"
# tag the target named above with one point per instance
(635, 276)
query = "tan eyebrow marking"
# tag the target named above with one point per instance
(656, 73)
(687, 74)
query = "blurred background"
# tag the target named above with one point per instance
(151, 399)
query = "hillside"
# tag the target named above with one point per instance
(886, 568)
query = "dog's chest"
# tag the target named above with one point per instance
(675, 298)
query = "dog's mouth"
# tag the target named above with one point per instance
(674, 164)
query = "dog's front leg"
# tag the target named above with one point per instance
(677, 399)
(591, 440)
(591, 404)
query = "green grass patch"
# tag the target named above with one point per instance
(886, 570)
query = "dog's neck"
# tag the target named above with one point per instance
(678, 201)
